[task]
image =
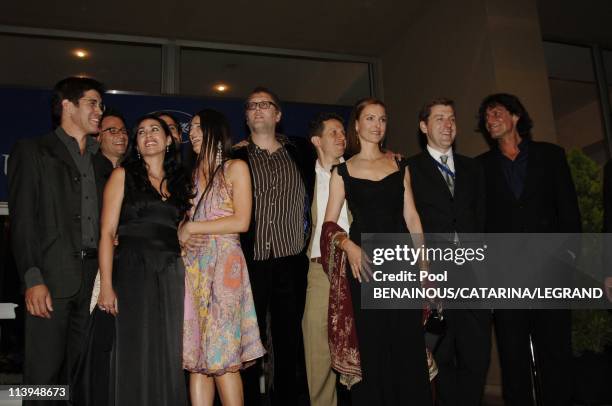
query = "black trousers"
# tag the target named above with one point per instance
(52, 346)
(550, 331)
(279, 286)
(463, 356)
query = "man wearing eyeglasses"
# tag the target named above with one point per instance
(282, 172)
(113, 137)
(54, 203)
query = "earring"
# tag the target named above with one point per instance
(138, 153)
(167, 148)
(219, 156)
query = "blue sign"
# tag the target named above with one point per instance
(27, 113)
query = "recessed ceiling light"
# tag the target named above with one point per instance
(80, 53)
(221, 88)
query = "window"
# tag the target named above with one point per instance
(576, 105)
(204, 72)
(36, 61)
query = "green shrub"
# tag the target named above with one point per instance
(591, 330)
(587, 176)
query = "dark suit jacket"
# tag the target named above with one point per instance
(607, 187)
(441, 212)
(548, 203)
(304, 156)
(45, 207)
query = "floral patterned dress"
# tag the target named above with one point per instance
(220, 331)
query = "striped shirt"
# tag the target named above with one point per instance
(278, 199)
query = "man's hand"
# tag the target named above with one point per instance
(394, 155)
(38, 301)
(240, 144)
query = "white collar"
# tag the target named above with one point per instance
(435, 154)
(320, 168)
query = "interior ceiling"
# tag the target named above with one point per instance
(585, 21)
(359, 27)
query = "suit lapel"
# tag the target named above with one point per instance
(460, 178)
(58, 150)
(313, 216)
(534, 171)
(101, 174)
(500, 181)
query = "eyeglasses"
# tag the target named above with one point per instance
(115, 130)
(263, 105)
(93, 103)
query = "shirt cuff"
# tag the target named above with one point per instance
(33, 277)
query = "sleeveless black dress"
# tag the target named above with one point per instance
(391, 342)
(148, 277)
(135, 358)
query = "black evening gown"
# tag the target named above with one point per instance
(391, 342)
(148, 277)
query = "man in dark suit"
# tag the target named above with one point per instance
(54, 204)
(529, 190)
(448, 192)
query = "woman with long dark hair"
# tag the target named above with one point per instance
(220, 332)
(142, 278)
(391, 366)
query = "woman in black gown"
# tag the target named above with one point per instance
(142, 279)
(377, 189)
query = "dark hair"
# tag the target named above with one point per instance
(71, 89)
(318, 124)
(273, 96)
(178, 183)
(172, 116)
(353, 146)
(426, 109)
(424, 114)
(111, 112)
(168, 113)
(215, 150)
(510, 103)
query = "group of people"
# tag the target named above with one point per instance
(206, 266)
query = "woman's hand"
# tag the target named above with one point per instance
(107, 300)
(187, 239)
(360, 268)
(184, 233)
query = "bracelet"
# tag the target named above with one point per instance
(344, 240)
(339, 239)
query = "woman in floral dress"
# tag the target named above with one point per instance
(220, 331)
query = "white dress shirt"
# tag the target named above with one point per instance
(322, 188)
(435, 154)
